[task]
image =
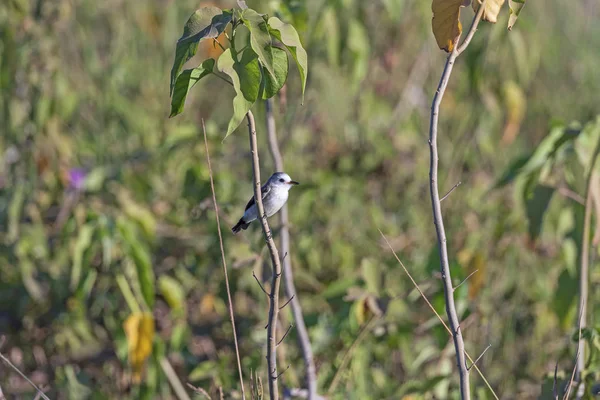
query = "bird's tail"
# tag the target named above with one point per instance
(240, 225)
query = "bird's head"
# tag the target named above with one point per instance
(281, 179)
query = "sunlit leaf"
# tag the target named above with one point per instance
(514, 9)
(565, 295)
(273, 84)
(260, 39)
(140, 255)
(139, 329)
(172, 291)
(186, 81)
(446, 22)
(227, 65)
(492, 8)
(287, 35)
(84, 239)
(205, 23)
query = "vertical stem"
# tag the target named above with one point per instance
(288, 277)
(276, 262)
(438, 220)
(230, 302)
(584, 270)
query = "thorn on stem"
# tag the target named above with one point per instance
(287, 302)
(464, 280)
(260, 284)
(282, 372)
(285, 334)
(478, 358)
(450, 191)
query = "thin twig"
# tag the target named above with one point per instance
(568, 193)
(10, 364)
(230, 301)
(199, 390)
(281, 373)
(275, 261)
(285, 334)
(260, 284)
(584, 270)
(435, 312)
(577, 357)
(450, 191)
(555, 384)
(438, 220)
(178, 388)
(464, 280)
(478, 358)
(286, 303)
(288, 279)
(347, 356)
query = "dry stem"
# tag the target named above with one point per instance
(231, 316)
(438, 220)
(275, 261)
(288, 277)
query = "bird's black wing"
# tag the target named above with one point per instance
(264, 190)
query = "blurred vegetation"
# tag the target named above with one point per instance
(106, 221)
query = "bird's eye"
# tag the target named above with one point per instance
(281, 180)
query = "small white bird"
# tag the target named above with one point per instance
(274, 195)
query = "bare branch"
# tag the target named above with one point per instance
(436, 313)
(577, 357)
(10, 364)
(285, 334)
(199, 390)
(450, 191)
(288, 279)
(230, 301)
(287, 302)
(275, 261)
(555, 384)
(438, 219)
(478, 358)
(281, 373)
(464, 280)
(171, 375)
(260, 284)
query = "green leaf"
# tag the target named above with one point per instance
(205, 23)
(536, 205)
(287, 35)
(514, 9)
(260, 39)
(84, 240)
(247, 71)
(186, 81)
(545, 152)
(273, 84)
(358, 44)
(172, 291)
(140, 255)
(564, 298)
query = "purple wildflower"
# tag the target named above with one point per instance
(77, 178)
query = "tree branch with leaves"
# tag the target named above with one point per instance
(447, 30)
(257, 69)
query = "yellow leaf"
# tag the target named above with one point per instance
(445, 23)
(139, 329)
(491, 11)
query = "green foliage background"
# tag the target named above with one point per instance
(85, 85)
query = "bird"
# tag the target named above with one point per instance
(274, 195)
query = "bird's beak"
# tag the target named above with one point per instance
(293, 183)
